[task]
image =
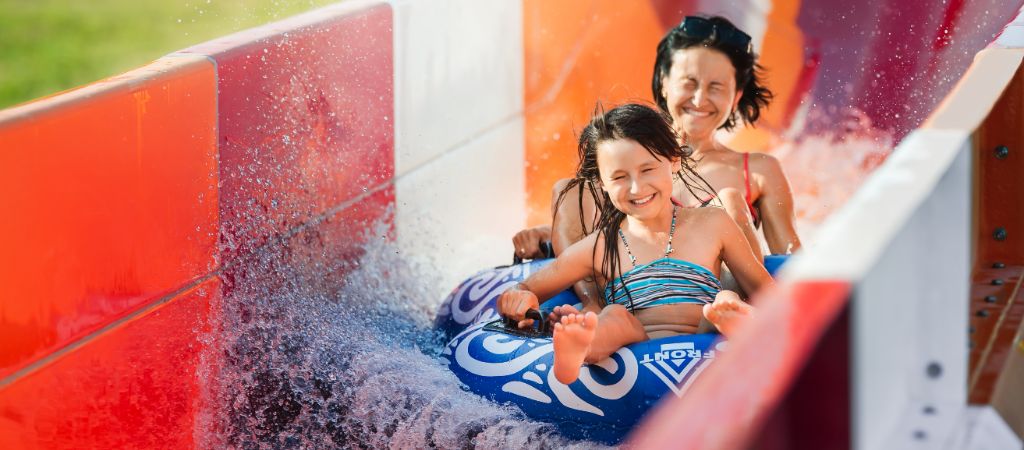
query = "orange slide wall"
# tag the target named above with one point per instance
(124, 218)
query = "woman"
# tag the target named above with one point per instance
(705, 78)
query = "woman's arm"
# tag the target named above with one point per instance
(737, 255)
(527, 242)
(776, 205)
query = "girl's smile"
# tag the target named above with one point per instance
(643, 201)
(638, 183)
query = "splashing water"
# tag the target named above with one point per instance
(827, 164)
(343, 354)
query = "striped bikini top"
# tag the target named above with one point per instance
(664, 281)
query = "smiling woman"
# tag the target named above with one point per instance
(48, 46)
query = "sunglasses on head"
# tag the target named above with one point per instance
(701, 28)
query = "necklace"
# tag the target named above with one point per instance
(668, 248)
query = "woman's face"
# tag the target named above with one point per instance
(700, 91)
(638, 183)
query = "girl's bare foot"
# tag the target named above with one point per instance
(728, 313)
(573, 336)
(561, 310)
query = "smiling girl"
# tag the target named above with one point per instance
(656, 262)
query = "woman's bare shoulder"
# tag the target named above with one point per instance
(588, 244)
(560, 185)
(708, 215)
(766, 165)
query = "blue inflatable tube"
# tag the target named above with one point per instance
(606, 401)
(474, 300)
(513, 366)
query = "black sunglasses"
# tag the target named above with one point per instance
(701, 28)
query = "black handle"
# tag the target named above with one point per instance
(538, 321)
(545, 247)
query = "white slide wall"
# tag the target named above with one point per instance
(907, 227)
(460, 189)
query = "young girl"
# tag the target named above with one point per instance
(671, 255)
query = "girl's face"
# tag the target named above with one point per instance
(638, 183)
(700, 91)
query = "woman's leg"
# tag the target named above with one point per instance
(734, 204)
(592, 337)
(728, 313)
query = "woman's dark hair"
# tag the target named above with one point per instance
(652, 130)
(749, 74)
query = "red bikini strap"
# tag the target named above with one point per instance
(746, 174)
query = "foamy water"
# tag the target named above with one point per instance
(827, 164)
(312, 360)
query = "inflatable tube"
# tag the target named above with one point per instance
(607, 400)
(513, 366)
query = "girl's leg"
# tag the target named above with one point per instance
(591, 337)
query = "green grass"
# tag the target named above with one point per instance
(47, 46)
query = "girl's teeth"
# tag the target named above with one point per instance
(643, 200)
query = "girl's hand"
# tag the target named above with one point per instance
(514, 303)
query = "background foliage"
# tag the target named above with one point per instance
(47, 46)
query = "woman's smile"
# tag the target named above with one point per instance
(697, 113)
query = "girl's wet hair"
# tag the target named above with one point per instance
(647, 127)
(749, 74)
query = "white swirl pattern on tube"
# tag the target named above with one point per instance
(621, 387)
(481, 289)
(499, 369)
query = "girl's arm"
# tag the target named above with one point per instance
(776, 205)
(572, 265)
(567, 230)
(737, 254)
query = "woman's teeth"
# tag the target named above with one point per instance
(697, 113)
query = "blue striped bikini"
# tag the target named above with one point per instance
(664, 281)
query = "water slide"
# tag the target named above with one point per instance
(243, 243)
